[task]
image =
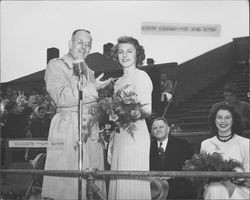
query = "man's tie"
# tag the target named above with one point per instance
(161, 152)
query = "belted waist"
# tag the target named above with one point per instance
(86, 106)
(67, 109)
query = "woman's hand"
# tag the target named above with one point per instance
(102, 84)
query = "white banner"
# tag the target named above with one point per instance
(181, 29)
(35, 143)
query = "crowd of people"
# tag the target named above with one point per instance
(24, 114)
(55, 114)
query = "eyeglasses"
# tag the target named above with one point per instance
(81, 43)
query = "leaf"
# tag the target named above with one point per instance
(213, 162)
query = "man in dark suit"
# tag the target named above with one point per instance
(169, 154)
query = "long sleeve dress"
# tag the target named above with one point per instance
(132, 153)
(62, 86)
(237, 148)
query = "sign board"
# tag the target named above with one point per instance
(180, 29)
(35, 143)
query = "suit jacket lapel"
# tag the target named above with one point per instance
(155, 158)
(168, 152)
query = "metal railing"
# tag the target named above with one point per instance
(91, 174)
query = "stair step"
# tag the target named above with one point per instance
(200, 112)
(212, 96)
(176, 115)
(192, 119)
(207, 101)
(193, 126)
(211, 100)
(172, 121)
(240, 88)
(204, 106)
(192, 114)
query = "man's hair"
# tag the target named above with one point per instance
(160, 119)
(230, 88)
(75, 32)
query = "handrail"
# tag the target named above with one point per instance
(184, 133)
(100, 173)
(91, 174)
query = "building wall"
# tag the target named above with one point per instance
(242, 48)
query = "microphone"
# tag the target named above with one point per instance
(78, 67)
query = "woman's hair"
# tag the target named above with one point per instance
(236, 124)
(140, 54)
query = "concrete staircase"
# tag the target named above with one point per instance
(192, 114)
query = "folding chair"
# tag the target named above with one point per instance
(35, 186)
(159, 189)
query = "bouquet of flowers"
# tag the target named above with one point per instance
(123, 109)
(213, 162)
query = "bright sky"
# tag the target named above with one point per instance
(28, 28)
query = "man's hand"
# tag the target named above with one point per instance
(102, 84)
(166, 95)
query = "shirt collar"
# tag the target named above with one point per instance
(67, 58)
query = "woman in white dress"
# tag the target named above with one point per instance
(131, 153)
(226, 125)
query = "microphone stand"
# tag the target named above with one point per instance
(80, 134)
